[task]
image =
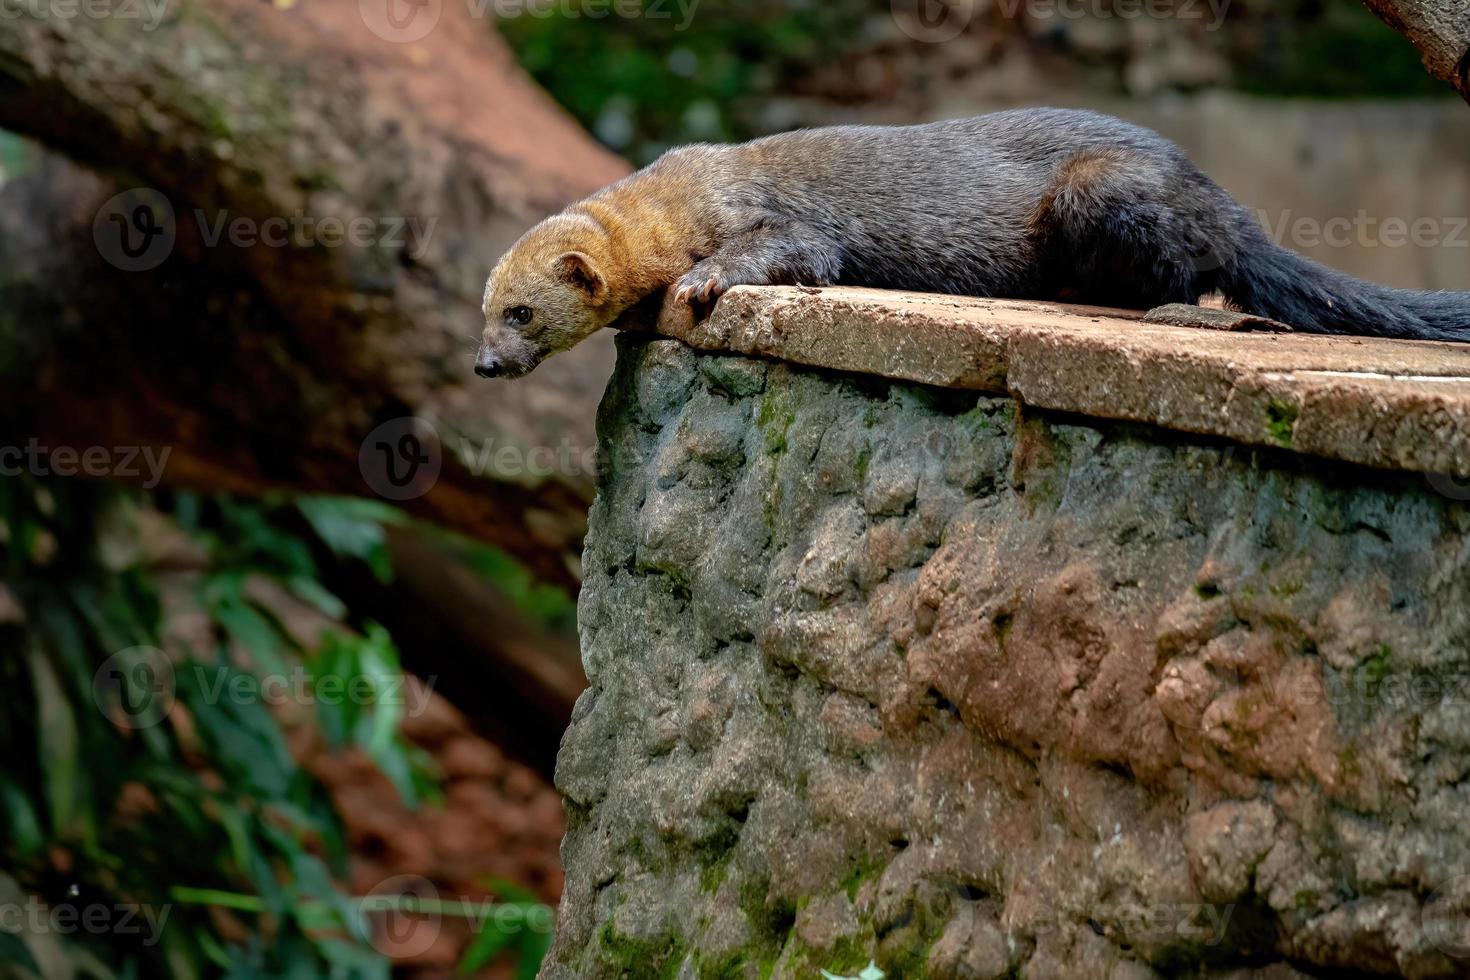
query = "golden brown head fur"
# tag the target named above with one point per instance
(559, 271)
(578, 271)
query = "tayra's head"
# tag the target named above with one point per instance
(547, 294)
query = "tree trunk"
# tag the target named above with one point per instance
(338, 196)
(1440, 29)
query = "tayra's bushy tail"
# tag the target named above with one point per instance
(1271, 281)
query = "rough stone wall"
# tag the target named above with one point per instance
(880, 671)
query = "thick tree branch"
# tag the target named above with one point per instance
(1440, 29)
(266, 365)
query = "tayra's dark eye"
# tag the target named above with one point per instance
(518, 315)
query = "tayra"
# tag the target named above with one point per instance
(1029, 203)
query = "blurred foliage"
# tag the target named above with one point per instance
(679, 73)
(528, 946)
(550, 607)
(718, 70)
(139, 779)
(1323, 49)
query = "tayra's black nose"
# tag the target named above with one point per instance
(487, 365)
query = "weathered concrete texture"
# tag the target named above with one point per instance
(1384, 403)
(884, 671)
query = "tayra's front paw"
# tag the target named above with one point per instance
(702, 284)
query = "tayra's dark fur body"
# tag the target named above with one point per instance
(1029, 203)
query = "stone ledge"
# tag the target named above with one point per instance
(968, 691)
(1402, 405)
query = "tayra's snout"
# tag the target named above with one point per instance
(487, 365)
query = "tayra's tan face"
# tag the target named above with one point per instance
(541, 298)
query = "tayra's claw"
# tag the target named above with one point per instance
(704, 291)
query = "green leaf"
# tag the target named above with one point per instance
(24, 826)
(509, 891)
(338, 659)
(313, 593)
(533, 952)
(64, 633)
(57, 741)
(359, 962)
(547, 605)
(380, 664)
(181, 952)
(246, 741)
(487, 944)
(257, 634)
(353, 528)
(259, 543)
(233, 822)
(14, 950)
(531, 946)
(86, 964)
(395, 765)
(186, 509)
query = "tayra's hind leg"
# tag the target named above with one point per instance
(772, 252)
(1118, 228)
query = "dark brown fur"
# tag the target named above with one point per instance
(1035, 203)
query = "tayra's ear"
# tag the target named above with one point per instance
(577, 269)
